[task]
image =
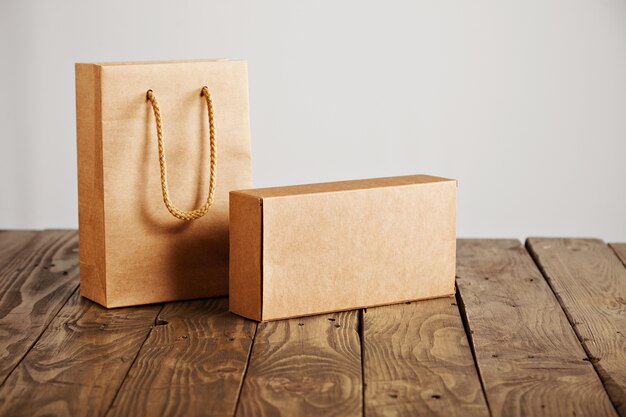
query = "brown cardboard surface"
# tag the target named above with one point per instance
(338, 246)
(246, 219)
(331, 187)
(150, 256)
(175, 61)
(90, 188)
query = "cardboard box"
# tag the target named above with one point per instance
(132, 249)
(311, 249)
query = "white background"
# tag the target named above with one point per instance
(523, 101)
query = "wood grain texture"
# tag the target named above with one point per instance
(417, 361)
(530, 360)
(590, 283)
(309, 366)
(79, 363)
(620, 251)
(12, 242)
(192, 363)
(34, 285)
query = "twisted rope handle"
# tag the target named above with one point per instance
(176, 212)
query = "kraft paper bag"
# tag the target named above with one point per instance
(160, 145)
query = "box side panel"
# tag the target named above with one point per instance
(90, 183)
(357, 249)
(246, 241)
(153, 256)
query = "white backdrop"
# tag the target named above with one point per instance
(523, 101)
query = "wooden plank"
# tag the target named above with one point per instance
(417, 361)
(80, 361)
(33, 287)
(192, 364)
(530, 360)
(620, 251)
(590, 282)
(305, 367)
(12, 242)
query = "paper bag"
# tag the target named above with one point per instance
(160, 145)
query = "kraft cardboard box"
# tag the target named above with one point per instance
(312, 249)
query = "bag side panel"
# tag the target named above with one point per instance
(90, 183)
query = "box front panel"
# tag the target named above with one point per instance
(152, 256)
(337, 251)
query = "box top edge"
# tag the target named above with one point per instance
(339, 186)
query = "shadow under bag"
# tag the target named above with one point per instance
(160, 145)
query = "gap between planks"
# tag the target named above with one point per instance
(468, 335)
(245, 370)
(360, 332)
(620, 251)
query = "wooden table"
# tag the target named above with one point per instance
(534, 330)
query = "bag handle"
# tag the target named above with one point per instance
(176, 212)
